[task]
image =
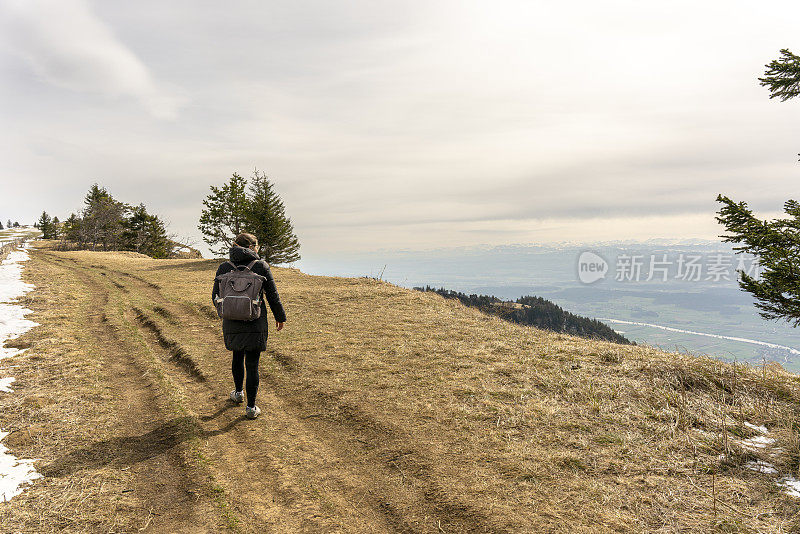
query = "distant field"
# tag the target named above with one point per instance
(384, 410)
(9, 238)
(22, 231)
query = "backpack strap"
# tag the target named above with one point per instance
(238, 267)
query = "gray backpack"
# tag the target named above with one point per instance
(239, 295)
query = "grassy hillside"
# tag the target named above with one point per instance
(384, 410)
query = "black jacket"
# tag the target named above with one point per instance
(250, 335)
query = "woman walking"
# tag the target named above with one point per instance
(248, 338)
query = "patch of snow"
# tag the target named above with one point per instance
(764, 444)
(12, 315)
(14, 473)
(11, 285)
(791, 485)
(5, 384)
(761, 428)
(757, 442)
(762, 467)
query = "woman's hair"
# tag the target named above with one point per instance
(245, 240)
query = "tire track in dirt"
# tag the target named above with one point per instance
(176, 353)
(163, 482)
(127, 275)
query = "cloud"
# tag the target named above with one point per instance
(68, 46)
(389, 123)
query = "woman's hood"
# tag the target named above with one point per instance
(242, 255)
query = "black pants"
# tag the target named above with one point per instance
(249, 359)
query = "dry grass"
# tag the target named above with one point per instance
(61, 404)
(387, 409)
(78, 412)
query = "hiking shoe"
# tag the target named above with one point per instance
(252, 413)
(237, 396)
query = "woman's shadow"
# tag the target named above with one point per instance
(130, 450)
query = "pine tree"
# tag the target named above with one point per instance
(776, 245)
(102, 218)
(782, 76)
(113, 225)
(56, 228)
(72, 231)
(8, 224)
(224, 215)
(145, 233)
(45, 225)
(1, 225)
(267, 220)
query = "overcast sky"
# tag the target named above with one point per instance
(403, 124)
